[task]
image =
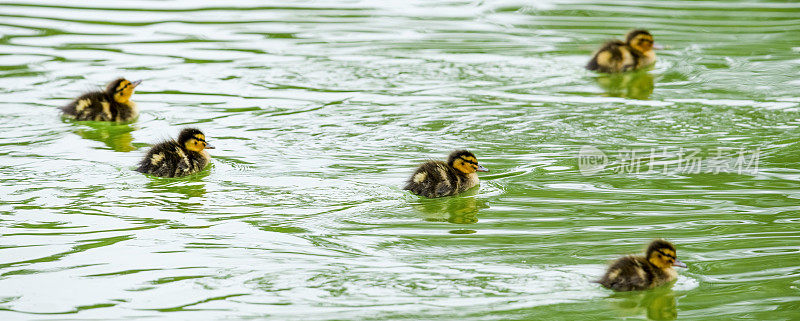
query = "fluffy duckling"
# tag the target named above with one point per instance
(177, 158)
(633, 273)
(438, 179)
(113, 104)
(617, 56)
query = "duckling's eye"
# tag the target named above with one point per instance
(200, 141)
(122, 86)
(643, 41)
(667, 255)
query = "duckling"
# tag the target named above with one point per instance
(438, 179)
(617, 56)
(113, 104)
(633, 273)
(177, 158)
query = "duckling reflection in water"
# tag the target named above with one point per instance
(437, 179)
(459, 210)
(636, 85)
(659, 304)
(632, 273)
(116, 136)
(177, 192)
(617, 56)
(178, 158)
(113, 104)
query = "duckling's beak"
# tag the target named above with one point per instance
(136, 83)
(657, 46)
(482, 169)
(678, 263)
(210, 146)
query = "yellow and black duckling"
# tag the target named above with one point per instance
(438, 179)
(633, 273)
(113, 104)
(177, 158)
(617, 56)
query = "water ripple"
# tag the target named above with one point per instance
(321, 109)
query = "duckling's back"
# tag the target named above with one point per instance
(630, 273)
(99, 106)
(437, 179)
(614, 56)
(168, 159)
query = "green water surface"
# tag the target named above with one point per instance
(321, 109)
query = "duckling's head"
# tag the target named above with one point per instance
(640, 40)
(663, 255)
(465, 162)
(193, 139)
(122, 89)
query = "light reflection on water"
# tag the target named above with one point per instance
(320, 110)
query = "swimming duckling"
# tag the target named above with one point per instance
(437, 178)
(113, 104)
(633, 273)
(617, 56)
(177, 158)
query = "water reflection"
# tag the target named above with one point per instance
(116, 136)
(636, 85)
(657, 304)
(193, 186)
(311, 215)
(179, 194)
(457, 210)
